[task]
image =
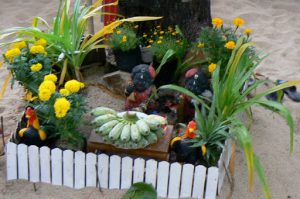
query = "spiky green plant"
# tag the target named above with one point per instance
(230, 99)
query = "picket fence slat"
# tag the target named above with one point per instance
(211, 183)
(139, 169)
(174, 183)
(68, 168)
(162, 179)
(126, 177)
(56, 166)
(91, 173)
(45, 164)
(103, 164)
(114, 172)
(151, 171)
(199, 182)
(23, 161)
(79, 170)
(187, 181)
(11, 161)
(34, 164)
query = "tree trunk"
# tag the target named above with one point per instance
(190, 15)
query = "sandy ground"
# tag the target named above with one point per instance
(276, 32)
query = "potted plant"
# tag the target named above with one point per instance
(125, 44)
(161, 41)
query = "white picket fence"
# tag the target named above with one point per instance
(78, 170)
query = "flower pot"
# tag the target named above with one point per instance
(166, 74)
(126, 60)
(147, 55)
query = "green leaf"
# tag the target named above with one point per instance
(165, 59)
(262, 178)
(140, 190)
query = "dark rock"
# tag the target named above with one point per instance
(116, 81)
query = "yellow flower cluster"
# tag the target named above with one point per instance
(40, 42)
(74, 86)
(61, 107)
(44, 94)
(159, 42)
(238, 22)
(217, 22)
(124, 38)
(11, 54)
(200, 45)
(230, 45)
(212, 67)
(50, 77)
(19, 45)
(64, 92)
(37, 49)
(48, 85)
(248, 31)
(119, 32)
(36, 67)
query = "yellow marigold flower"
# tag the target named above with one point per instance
(149, 46)
(136, 26)
(155, 33)
(41, 42)
(37, 49)
(61, 107)
(48, 85)
(82, 85)
(238, 22)
(19, 45)
(10, 54)
(170, 28)
(212, 67)
(50, 77)
(217, 22)
(36, 67)
(159, 42)
(174, 33)
(44, 94)
(145, 35)
(177, 41)
(151, 41)
(230, 45)
(119, 32)
(200, 45)
(161, 37)
(64, 92)
(73, 86)
(248, 31)
(124, 38)
(161, 32)
(158, 27)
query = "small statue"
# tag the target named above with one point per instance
(141, 86)
(197, 82)
(32, 134)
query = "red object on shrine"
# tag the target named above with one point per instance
(108, 18)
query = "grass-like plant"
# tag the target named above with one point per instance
(230, 99)
(68, 31)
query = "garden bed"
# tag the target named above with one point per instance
(78, 170)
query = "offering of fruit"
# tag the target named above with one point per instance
(129, 130)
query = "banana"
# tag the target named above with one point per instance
(143, 127)
(158, 118)
(107, 127)
(103, 111)
(135, 134)
(114, 134)
(153, 124)
(125, 134)
(102, 119)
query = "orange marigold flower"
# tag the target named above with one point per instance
(230, 45)
(217, 22)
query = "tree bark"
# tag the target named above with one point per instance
(190, 15)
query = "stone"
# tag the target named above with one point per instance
(117, 82)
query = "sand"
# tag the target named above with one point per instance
(276, 32)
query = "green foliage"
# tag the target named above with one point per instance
(66, 128)
(140, 190)
(20, 68)
(124, 38)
